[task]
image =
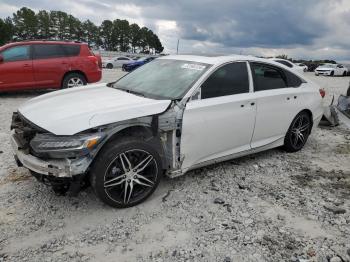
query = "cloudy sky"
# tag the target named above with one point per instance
(299, 28)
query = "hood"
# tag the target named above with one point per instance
(71, 111)
(325, 68)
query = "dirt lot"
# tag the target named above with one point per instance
(271, 206)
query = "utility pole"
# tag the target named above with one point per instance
(177, 48)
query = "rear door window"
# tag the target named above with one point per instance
(43, 51)
(267, 77)
(17, 53)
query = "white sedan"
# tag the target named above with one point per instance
(116, 62)
(171, 115)
(331, 70)
(289, 64)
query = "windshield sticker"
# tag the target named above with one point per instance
(193, 67)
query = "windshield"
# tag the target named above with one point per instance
(327, 66)
(162, 78)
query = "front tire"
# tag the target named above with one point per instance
(344, 74)
(73, 80)
(126, 172)
(332, 73)
(298, 132)
(109, 66)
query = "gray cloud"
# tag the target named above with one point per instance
(313, 28)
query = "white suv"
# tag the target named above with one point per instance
(172, 115)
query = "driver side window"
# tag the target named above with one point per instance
(229, 79)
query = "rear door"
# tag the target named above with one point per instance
(221, 121)
(279, 96)
(16, 69)
(50, 63)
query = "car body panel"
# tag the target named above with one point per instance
(276, 111)
(216, 127)
(11, 72)
(71, 111)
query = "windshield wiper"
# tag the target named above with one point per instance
(131, 91)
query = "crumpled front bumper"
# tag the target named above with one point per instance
(51, 167)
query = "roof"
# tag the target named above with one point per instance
(213, 60)
(218, 60)
(40, 42)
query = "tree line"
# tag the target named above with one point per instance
(116, 35)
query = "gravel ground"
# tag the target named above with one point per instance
(271, 206)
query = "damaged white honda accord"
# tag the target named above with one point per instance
(172, 115)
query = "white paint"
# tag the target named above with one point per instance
(71, 111)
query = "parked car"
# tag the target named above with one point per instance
(47, 64)
(303, 67)
(331, 70)
(139, 62)
(170, 116)
(289, 64)
(116, 62)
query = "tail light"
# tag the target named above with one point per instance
(322, 92)
(96, 60)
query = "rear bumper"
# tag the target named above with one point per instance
(50, 167)
(93, 77)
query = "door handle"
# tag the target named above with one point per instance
(295, 97)
(26, 65)
(252, 103)
(288, 98)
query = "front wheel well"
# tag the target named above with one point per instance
(141, 132)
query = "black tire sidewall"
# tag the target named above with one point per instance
(109, 66)
(108, 154)
(288, 146)
(72, 75)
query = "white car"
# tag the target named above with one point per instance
(331, 70)
(289, 64)
(303, 66)
(116, 62)
(172, 115)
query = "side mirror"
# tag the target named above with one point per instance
(1, 59)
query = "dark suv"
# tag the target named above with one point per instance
(47, 64)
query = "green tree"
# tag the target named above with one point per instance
(6, 31)
(134, 36)
(90, 32)
(43, 30)
(25, 24)
(105, 32)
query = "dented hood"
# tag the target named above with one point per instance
(71, 111)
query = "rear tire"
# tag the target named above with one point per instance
(298, 132)
(116, 178)
(73, 80)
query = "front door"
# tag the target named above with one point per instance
(221, 121)
(16, 70)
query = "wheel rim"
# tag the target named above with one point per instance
(75, 81)
(300, 131)
(131, 176)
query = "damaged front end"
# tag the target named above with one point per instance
(55, 160)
